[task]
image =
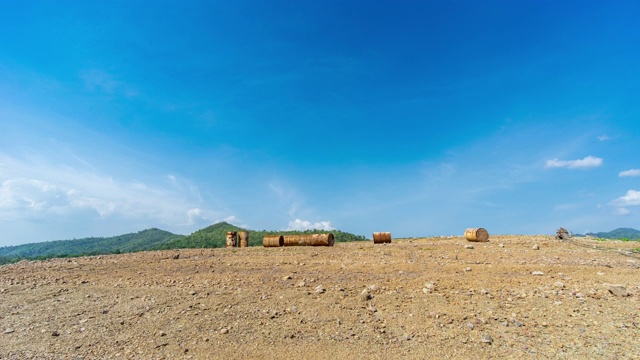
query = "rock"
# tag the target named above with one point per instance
(301, 284)
(467, 269)
(374, 288)
(487, 339)
(501, 245)
(162, 333)
(192, 292)
(468, 246)
(365, 295)
(536, 247)
(617, 289)
(55, 333)
(224, 331)
(320, 289)
(558, 284)
(429, 288)
(288, 277)
(8, 331)
(537, 273)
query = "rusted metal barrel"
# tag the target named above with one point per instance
(273, 241)
(322, 240)
(309, 240)
(243, 238)
(298, 240)
(381, 237)
(232, 238)
(476, 234)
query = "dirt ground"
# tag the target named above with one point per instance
(413, 298)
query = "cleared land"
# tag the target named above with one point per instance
(415, 298)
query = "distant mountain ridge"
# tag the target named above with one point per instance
(620, 233)
(151, 239)
(140, 241)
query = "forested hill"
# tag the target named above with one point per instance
(151, 239)
(140, 241)
(621, 233)
(215, 236)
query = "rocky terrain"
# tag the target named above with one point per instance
(512, 297)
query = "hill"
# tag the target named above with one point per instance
(140, 241)
(620, 233)
(214, 236)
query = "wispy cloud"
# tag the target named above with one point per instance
(96, 79)
(629, 173)
(631, 198)
(298, 224)
(622, 211)
(36, 191)
(587, 162)
(603, 138)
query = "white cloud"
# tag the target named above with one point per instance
(631, 198)
(622, 211)
(603, 138)
(629, 173)
(298, 224)
(587, 162)
(37, 191)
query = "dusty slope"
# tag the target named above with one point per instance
(483, 302)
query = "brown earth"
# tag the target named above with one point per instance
(414, 298)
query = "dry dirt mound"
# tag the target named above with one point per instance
(513, 297)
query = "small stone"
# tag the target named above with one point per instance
(224, 331)
(162, 333)
(288, 277)
(192, 292)
(487, 339)
(470, 326)
(536, 247)
(428, 288)
(537, 273)
(365, 295)
(468, 246)
(374, 288)
(55, 333)
(320, 289)
(501, 245)
(558, 284)
(467, 269)
(617, 289)
(517, 323)
(301, 284)
(8, 331)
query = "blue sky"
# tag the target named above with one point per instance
(415, 117)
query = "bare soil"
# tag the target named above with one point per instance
(413, 298)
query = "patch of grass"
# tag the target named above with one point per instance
(636, 250)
